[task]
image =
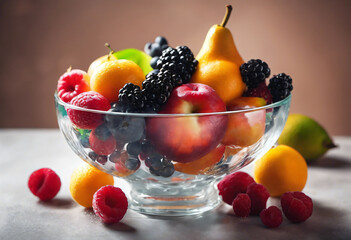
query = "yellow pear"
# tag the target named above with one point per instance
(219, 62)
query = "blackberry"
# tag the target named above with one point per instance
(254, 72)
(179, 60)
(280, 86)
(131, 97)
(160, 166)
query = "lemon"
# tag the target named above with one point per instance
(282, 169)
(85, 181)
(307, 136)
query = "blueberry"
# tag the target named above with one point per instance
(125, 128)
(161, 40)
(93, 155)
(102, 132)
(85, 142)
(101, 159)
(132, 164)
(153, 171)
(146, 147)
(134, 148)
(114, 157)
(154, 161)
(167, 171)
(147, 48)
(153, 62)
(155, 50)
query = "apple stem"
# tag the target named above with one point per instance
(111, 51)
(69, 69)
(227, 15)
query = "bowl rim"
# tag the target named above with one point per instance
(269, 106)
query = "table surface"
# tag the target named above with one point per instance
(22, 216)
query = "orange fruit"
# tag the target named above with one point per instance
(109, 77)
(85, 181)
(223, 76)
(282, 169)
(99, 61)
(200, 165)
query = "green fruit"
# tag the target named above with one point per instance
(307, 136)
(137, 56)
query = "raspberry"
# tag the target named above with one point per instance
(241, 205)
(259, 196)
(71, 84)
(88, 100)
(271, 217)
(297, 206)
(110, 204)
(101, 141)
(44, 183)
(231, 185)
(260, 91)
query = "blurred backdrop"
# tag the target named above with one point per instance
(40, 39)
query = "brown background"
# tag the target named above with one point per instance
(40, 39)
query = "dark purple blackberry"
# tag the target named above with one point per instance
(254, 72)
(157, 88)
(160, 166)
(131, 97)
(280, 86)
(179, 60)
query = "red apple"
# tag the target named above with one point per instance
(185, 139)
(245, 129)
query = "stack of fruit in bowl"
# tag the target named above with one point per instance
(164, 113)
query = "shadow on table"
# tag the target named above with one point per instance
(331, 162)
(59, 203)
(120, 227)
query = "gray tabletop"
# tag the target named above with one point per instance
(22, 216)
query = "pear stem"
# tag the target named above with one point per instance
(227, 15)
(111, 51)
(329, 145)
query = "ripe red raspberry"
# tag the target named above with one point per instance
(71, 84)
(88, 100)
(259, 196)
(102, 143)
(110, 204)
(260, 91)
(231, 185)
(297, 206)
(44, 183)
(271, 217)
(242, 205)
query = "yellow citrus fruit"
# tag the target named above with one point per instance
(109, 77)
(282, 169)
(85, 181)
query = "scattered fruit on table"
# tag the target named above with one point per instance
(110, 204)
(251, 199)
(307, 136)
(185, 139)
(282, 169)
(271, 217)
(259, 196)
(242, 205)
(219, 62)
(72, 83)
(109, 77)
(44, 183)
(88, 100)
(233, 184)
(137, 56)
(245, 129)
(297, 206)
(101, 60)
(85, 181)
(201, 165)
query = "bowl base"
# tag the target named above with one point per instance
(174, 200)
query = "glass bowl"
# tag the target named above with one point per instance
(170, 170)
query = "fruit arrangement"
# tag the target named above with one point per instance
(166, 80)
